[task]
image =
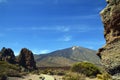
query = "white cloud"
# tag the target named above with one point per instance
(38, 51)
(77, 17)
(87, 16)
(49, 28)
(86, 28)
(63, 28)
(44, 51)
(69, 28)
(65, 38)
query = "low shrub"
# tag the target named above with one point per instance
(8, 70)
(53, 72)
(74, 76)
(104, 76)
(13, 73)
(86, 68)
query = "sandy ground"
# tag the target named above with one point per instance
(32, 77)
(37, 77)
(28, 77)
(58, 77)
(48, 77)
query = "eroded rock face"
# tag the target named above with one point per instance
(26, 59)
(110, 53)
(7, 54)
(111, 19)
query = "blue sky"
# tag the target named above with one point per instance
(47, 25)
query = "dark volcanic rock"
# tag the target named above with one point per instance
(110, 53)
(7, 54)
(26, 59)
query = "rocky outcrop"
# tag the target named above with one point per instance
(110, 53)
(7, 54)
(26, 59)
(111, 19)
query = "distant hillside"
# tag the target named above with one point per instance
(67, 57)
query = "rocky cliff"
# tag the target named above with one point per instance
(26, 59)
(110, 53)
(111, 19)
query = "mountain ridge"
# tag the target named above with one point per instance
(67, 57)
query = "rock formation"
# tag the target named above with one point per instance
(110, 53)
(26, 59)
(7, 54)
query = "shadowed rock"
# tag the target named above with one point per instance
(26, 59)
(7, 54)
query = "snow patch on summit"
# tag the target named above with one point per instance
(74, 47)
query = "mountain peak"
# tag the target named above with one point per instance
(75, 47)
(67, 57)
